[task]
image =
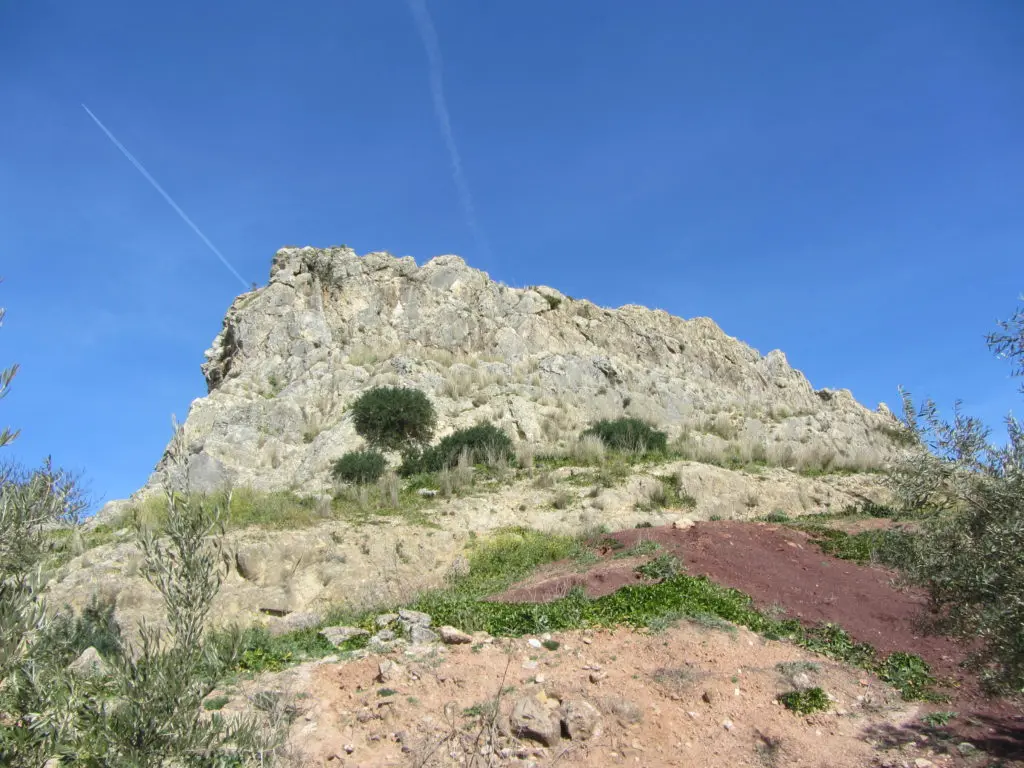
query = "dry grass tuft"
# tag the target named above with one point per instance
(524, 456)
(588, 450)
(389, 486)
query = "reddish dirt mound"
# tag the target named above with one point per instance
(784, 571)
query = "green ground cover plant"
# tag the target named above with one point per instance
(806, 701)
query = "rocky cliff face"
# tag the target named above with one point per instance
(293, 355)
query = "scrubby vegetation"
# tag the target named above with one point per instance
(970, 552)
(142, 706)
(893, 547)
(394, 418)
(667, 492)
(483, 443)
(241, 508)
(661, 567)
(805, 702)
(629, 434)
(138, 703)
(360, 467)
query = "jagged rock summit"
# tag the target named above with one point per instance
(293, 355)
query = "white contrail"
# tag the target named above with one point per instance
(168, 198)
(428, 34)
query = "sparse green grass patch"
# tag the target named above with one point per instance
(216, 703)
(791, 668)
(893, 547)
(65, 543)
(276, 510)
(661, 567)
(938, 719)
(806, 701)
(261, 652)
(668, 493)
(909, 674)
(639, 549)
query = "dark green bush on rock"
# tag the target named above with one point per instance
(394, 418)
(628, 434)
(483, 443)
(360, 467)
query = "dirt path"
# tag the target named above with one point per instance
(785, 572)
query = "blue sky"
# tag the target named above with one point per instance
(844, 181)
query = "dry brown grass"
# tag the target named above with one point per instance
(459, 477)
(588, 450)
(524, 456)
(458, 383)
(808, 456)
(389, 486)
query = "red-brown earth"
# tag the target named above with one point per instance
(786, 574)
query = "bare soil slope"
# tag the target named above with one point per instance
(785, 572)
(688, 696)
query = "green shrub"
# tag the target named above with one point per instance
(95, 627)
(629, 434)
(163, 679)
(416, 462)
(806, 701)
(261, 660)
(661, 567)
(908, 673)
(484, 443)
(968, 554)
(146, 708)
(938, 719)
(394, 418)
(259, 651)
(360, 467)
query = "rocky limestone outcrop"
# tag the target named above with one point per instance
(293, 355)
(290, 579)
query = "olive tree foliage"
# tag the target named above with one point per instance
(144, 708)
(6, 376)
(394, 418)
(970, 554)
